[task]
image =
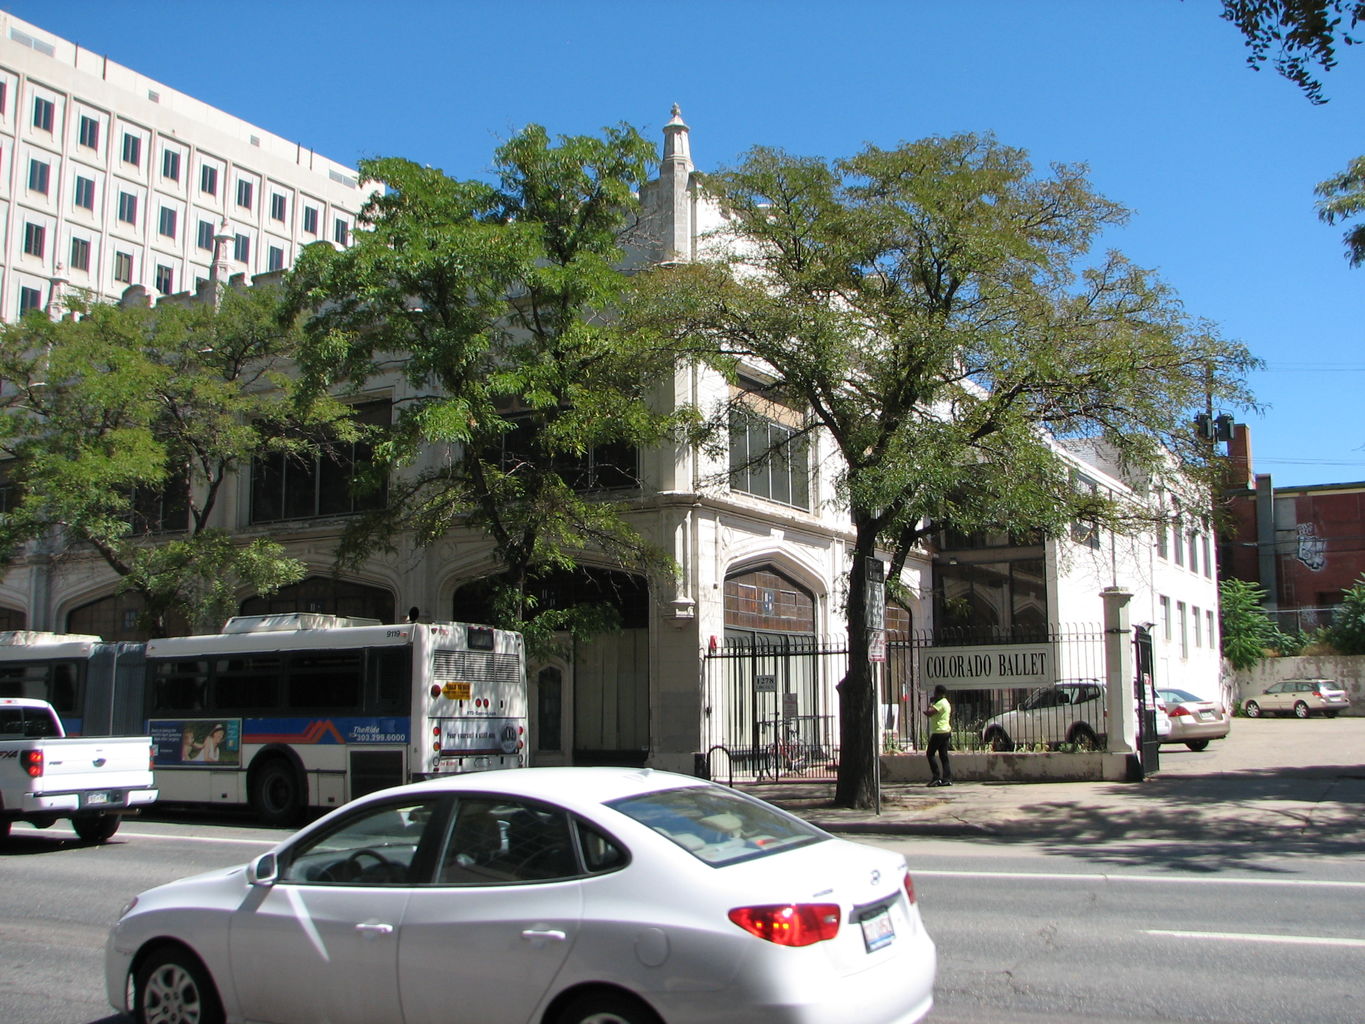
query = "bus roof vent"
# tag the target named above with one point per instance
(26, 637)
(292, 620)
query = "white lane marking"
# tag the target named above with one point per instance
(125, 834)
(1292, 940)
(1062, 876)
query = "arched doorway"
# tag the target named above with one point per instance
(591, 705)
(116, 617)
(328, 595)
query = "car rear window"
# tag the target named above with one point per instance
(718, 826)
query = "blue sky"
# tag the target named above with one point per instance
(1216, 162)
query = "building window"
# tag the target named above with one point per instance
(2, 98)
(89, 132)
(123, 267)
(132, 149)
(602, 467)
(29, 299)
(170, 164)
(42, 114)
(1208, 560)
(85, 193)
(205, 239)
(80, 253)
(1085, 532)
(127, 208)
(276, 206)
(167, 224)
(1166, 619)
(1177, 542)
(1213, 639)
(1163, 548)
(208, 180)
(1198, 626)
(38, 174)
(290, 488)
(276, 260)
(341, 231)
(244, 194)
(165, 279)
(310, 220)
(1194, 552)
(1182, 623)
(35, 239)
(769, 460)
(241, 249)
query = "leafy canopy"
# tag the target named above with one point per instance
(929, 307)
(491, 304)
(123, 425)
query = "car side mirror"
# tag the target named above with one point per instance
(263, 870)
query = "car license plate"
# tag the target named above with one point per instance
(91, 799)
(878, 931)
(1204, 716)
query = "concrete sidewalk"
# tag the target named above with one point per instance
(1297, 785)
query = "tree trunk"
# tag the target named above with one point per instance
(858, 740)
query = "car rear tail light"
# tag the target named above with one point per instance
(32, 761)
(790, 924)
(1178, 712)
(909, 887)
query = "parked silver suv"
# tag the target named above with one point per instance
(1300, 698)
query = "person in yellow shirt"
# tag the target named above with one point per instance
(940, 714)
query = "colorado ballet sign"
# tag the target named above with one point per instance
(987, 666)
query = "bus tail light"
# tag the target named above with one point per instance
(32, 761)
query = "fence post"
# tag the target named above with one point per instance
(1118, 673)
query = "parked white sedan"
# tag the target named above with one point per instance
(536, 896)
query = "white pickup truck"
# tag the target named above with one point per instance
(46, 775)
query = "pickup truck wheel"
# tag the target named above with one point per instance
(95, 828)
(4, 830)
(277, 792)
(172, 985)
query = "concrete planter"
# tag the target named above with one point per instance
(988, 766)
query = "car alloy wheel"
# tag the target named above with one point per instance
(605, 1008)
(1252, 709)
(1300, 710)
(173, 988)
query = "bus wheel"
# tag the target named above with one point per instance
(277, 792)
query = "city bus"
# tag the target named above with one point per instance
(295, 711)
(59, 668)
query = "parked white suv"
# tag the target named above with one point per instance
(1069, 711)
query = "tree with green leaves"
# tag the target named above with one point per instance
(122, 426)
(1247, 630)
(1302, 33)
(493, 302)
(1347, 631)
(927, 306)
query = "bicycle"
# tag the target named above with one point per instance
(789, 753)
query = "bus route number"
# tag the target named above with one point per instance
(457, 691)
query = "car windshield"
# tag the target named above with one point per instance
(718, 826)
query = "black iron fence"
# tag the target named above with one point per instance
(771, 701)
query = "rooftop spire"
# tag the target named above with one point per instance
(676, 145)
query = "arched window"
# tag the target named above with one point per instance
(328, 595)
(116, 618)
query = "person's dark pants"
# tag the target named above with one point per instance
(938, 748)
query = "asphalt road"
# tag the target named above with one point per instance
(1147, 923)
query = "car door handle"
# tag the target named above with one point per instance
(374, 928)
(541, 935)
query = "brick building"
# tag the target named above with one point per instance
(1305, 545)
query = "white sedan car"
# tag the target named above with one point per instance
(536, 896)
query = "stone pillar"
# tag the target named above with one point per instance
(1119, 671)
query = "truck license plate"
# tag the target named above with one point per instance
(91, 799)
(878, 931)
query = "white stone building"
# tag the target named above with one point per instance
(109, 179)
(763, 555)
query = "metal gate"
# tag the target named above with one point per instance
(1144, 686)
(771, 706)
